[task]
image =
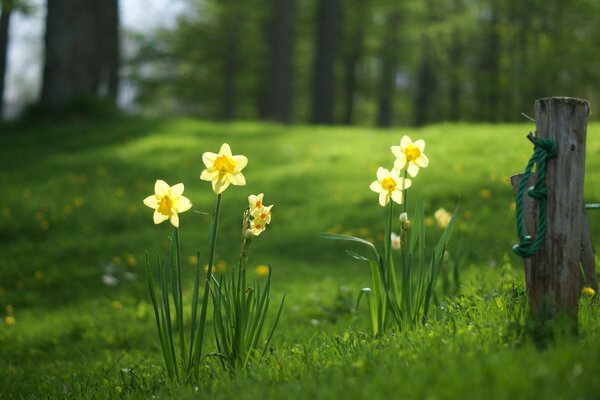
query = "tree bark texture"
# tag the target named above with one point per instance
(4, 29)
(323, 86)
(81, 51)
(553, 274)
(389, 69)
(278, 82)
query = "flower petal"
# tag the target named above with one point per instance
(420, 144)
(422, 161)
(396, 150)
(237, 179)
(209, 158)
(405, 142)
(175, 220)
(220, 184)
(400, 161)
(176, 190)
(382, 173)
(384, 198)
(240, 162)
(183, 204)
(161, 187)
(225, 150)
(404, 183)
(207, 175)
(397, 196)
(151, 201)
(413, 169)
(159, 217)
(375, 186)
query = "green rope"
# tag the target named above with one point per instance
(527, 246)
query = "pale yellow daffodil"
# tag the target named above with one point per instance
(223, 169)
(410, 155)
(389, 185)
(255, 201)
(442, 217)
(167, 202)
(257, 226)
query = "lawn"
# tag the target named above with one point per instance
(76, 321)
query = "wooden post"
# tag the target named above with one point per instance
(553, 275)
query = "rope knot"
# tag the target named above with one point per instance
(546, 145)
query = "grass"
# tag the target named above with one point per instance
(71, 213)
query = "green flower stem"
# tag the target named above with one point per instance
(404, 190)
(211, 255)
(178, 295)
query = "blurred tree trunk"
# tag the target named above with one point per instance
(4, 27)
(427, 85)
(354, 22)
(488, 88)
(323, 85)
(81, 51)
(389, 68)
(231, 24)
(278, 80)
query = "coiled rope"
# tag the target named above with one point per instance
(543, 149)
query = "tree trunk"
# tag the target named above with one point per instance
(278, 80)
(389, 69)
(553, 274)
(323, 70)
(427, 86)
(81, 51)
(4, 28)
(355, 19)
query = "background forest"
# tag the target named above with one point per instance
(369, 62)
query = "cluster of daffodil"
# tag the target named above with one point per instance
(403, 300)
(239, 311)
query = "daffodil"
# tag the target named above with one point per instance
(262, 271)
(410, 155)
(442, 217)
(223, 169)
(167, 202)
(257, 226)
(588, 291)
(389, 185)
(255, 201)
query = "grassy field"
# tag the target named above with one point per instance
(76, 321)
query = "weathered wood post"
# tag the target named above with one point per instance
(553, 274)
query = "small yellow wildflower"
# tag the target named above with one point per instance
(389, 185)
(167, 202)
(116, 304)
(485, 193)
(442, 217)
(262, 271)
(261, 215)
(223, 169)
(588, 291)
(255, 201)
(410, 155)
(10, 320)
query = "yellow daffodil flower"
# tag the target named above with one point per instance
(262, 271)
(223, 169)
(442, 217)
(389, 185)
(255, 201)
(257, 226)
(167, 202)
(588, 291)
(410, 155)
